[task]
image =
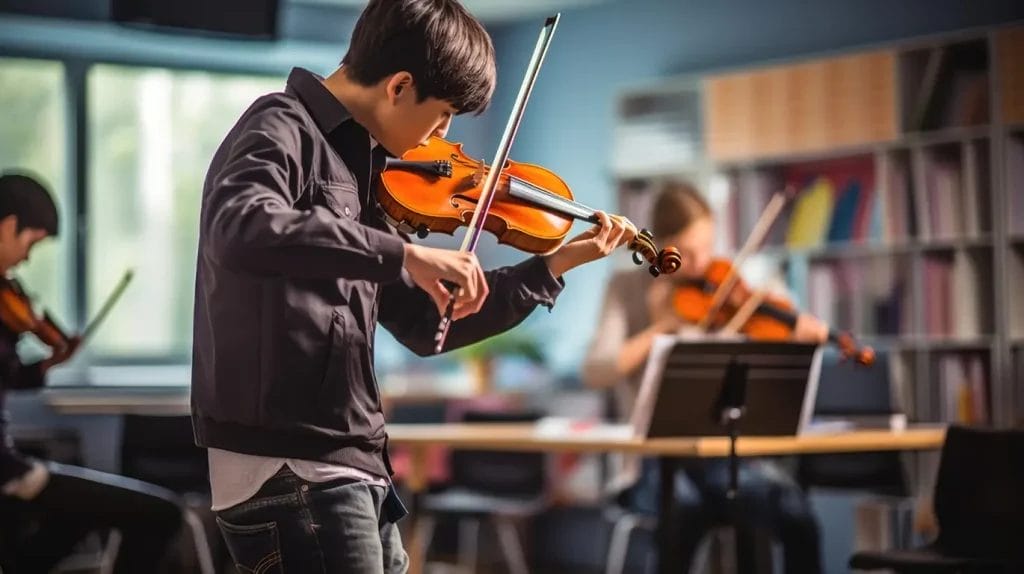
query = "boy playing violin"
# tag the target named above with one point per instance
(46, 507)
(626, 330)
(296, 268)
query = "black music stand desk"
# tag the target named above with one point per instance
(723, 388)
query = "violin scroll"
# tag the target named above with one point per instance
(848, 347)
(666, 260)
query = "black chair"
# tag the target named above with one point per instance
(161, 451)
(506, 487)
(979, 507)
(864, 396)
(856, 393)
(98, 551)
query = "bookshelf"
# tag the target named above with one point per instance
(908, 228)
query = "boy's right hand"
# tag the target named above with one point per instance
(428, 266)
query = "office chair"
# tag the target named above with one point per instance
(858, 393)
(979, 506)
(505, 487)
(161, 451)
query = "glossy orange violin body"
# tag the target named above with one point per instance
(436, 188)
(17, 313)
(760, 317)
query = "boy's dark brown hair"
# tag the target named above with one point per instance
(24, 197)
(677, 206)
(447, 51)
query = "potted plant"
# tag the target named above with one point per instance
(482, 356)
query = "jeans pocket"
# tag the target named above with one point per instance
(254, 548)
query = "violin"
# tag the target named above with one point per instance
(437, 187)
(18, 315)
(759, 316)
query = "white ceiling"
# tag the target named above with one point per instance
(487, 10)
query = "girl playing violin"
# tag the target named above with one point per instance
(636, 309)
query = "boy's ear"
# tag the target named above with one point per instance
(399, 85)
(9, 226)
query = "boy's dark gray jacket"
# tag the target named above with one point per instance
(296, 267)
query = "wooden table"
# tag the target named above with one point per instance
(606, 438)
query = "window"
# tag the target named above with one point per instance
(152, 134)
(33, 139)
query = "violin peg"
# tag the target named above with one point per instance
(654, 271)
(637, 258)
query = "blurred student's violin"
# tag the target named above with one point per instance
(720, 301)
(18, 314)
(756, 314)
(437, 187)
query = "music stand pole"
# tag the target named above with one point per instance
(731, 407)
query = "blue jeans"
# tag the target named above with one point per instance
(298, 527)
(768, 498)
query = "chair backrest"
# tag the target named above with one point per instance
(849, 389)
(979, 499)
(162, 451)
(519, 474)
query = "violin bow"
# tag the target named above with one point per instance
(112, 298)
(764, 223)
(475, 227)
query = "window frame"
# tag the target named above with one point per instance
(87, 44)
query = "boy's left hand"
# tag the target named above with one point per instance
(592, 244)
(59, 357)
(810, 329)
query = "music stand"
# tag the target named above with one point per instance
(720, 387)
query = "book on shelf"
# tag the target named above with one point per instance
(895, 201)
(1015, 173)
(953, 89)
(955, 302)
(866, 296)
(926, 90)
(963, 383)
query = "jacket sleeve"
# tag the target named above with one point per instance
(28, 376)
(411, 316)
(250, 222)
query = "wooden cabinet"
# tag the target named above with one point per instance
(799, 108)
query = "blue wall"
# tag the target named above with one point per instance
(598, 51)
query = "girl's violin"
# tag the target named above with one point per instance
(18, 314)
(752, 313)
(436, 187)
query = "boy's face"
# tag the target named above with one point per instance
(696, 245)
(15, 245)
(406, 122)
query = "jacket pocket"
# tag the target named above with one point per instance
(336, 372)
(254, 548)
(344, 388)
(340, 198)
